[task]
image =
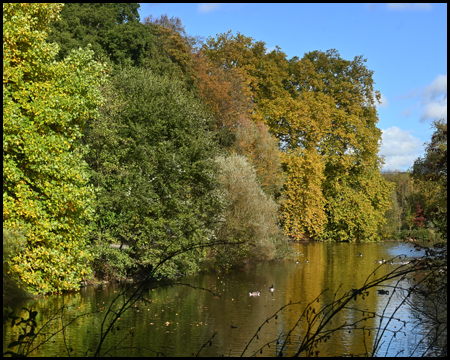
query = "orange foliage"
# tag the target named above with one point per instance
(223, 92)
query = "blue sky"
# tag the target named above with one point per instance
(405, 45)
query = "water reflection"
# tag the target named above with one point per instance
(180, 319)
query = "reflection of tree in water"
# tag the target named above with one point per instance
(420, 287)
(415, 307)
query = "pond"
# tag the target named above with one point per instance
(182, 317)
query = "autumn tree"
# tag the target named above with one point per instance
(46, 104)
(225, 93)
(260, 147)
(349, 142)
(419, 218)
(171, 53)
(391, 229)
(318, 105)
(303, 205)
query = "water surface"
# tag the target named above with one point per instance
(180, 318)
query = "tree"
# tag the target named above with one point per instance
(392, 227)
(249, 222)
(303, 205)
(403, 192)
(155, 176)
(171, 55)
(226, 95)
(419, 219)
(259, 146)
(431, 169)
(341, 92)
(319, 105)
(45, 180)
(112, 29)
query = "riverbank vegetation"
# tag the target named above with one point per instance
(134, 135)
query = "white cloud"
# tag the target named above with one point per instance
(208, 7)
(409, 6)
(434, 111)
(437, 87)
(431, 100)
(400, 149)
(434, 99)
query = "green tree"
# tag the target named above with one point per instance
(45, 106)
(431, 169)
(403, 191)
(152, 154)
(112, 29)
(408, 192)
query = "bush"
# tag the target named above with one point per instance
(250, 217)
(395, 235)
(424, 235)
(110, 263)
(404, 234)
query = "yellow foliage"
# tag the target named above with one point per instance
(40, 119)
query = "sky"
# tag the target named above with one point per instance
(405, 45)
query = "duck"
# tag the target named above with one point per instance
(380, 261)
(307, 260)
(254, 293)
(383, 292)
(297, 262)
(271, 289)
(359, 254)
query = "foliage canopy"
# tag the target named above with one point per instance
(152, 155)
(322, 109)
(45, 106)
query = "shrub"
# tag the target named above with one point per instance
(423, 234)
(249, 220)
(404, 234)
(395, 235)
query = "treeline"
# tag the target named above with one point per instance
(132, 133)
(419, 198)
